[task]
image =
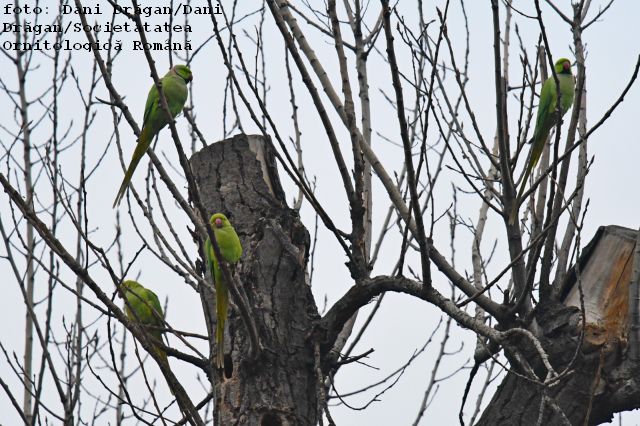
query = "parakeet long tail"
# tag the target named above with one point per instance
(222, 307)
(143, 144)
(536, 152)
(163, 356)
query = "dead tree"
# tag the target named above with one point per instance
(566, 337)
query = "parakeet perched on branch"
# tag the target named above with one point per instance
(547, 118)
(174, 87)
(231, 250)
(144, 308)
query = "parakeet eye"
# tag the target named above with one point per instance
(218, 223)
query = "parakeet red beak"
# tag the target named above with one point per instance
(218, 223)
(566, 66)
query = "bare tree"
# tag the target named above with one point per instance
(363, 85)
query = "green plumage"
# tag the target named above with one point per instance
(547, 118)
(174, 87)
(144, 308)
(231, 250)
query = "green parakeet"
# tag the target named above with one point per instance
(174, 87)
(547, 117)
(231, 250)
(145, 309)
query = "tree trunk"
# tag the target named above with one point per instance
(518, 401)
(604, 378)
(238, 177)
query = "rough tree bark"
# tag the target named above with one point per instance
(238, 177)
(604, 378)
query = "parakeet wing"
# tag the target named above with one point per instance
(152, 103)
(546, 109)
(152, 299)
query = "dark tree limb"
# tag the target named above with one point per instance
(186, 405)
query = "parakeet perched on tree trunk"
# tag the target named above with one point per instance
(144, 308)
(547, 118)
(231, 250)
(174, 87)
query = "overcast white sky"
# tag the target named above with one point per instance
(403, 324)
